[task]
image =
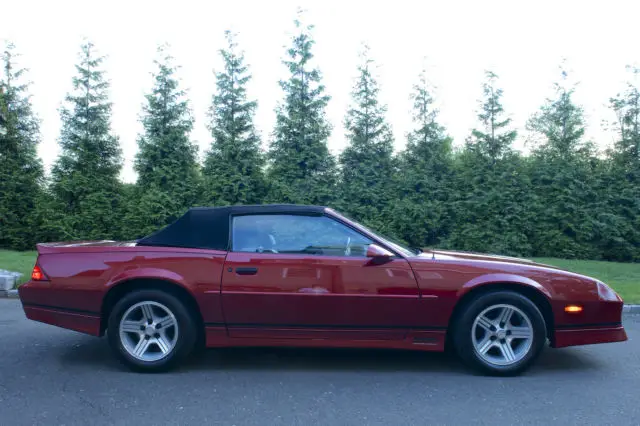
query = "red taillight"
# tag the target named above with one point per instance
(37, 274)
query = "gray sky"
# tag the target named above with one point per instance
(522, 41)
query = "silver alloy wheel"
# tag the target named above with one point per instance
(148, 331)
(502, 335)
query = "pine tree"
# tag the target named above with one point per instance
(367, 162)
(301, 169)
(4, 113)
(21, 171)
(618, 224)
(491, 194)
(85, 179)
(626, 105)
(169, 179)
(233, 168)
(420, 215)
(563, 175)
(560, 122)
(495, 139)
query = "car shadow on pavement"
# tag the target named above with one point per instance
(324, 360)
(378, 360)
(90, 352)
(96, 354)
(568, 359)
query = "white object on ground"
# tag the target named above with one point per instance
(8, 279)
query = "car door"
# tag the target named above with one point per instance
(307, 276)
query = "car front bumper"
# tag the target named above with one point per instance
(589, 335)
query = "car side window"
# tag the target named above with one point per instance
(296, 234)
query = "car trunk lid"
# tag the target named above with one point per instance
(77, 246)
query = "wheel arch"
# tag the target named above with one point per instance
(540, 299)
(122, 288)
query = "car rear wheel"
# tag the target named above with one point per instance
(151, 330)
(500, 333)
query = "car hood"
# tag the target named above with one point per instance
(453, 255)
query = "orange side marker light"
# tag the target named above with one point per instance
(573, 309)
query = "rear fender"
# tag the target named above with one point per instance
(149, 274)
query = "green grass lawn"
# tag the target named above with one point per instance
(622, 277)
(18, 261)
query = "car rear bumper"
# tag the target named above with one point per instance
(81, 322)
(37, 308)
(589, 335)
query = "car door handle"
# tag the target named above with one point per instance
(246, 271)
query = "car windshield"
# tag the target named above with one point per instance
(391, 242)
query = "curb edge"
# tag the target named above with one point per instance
(631, 309)
(9, 294)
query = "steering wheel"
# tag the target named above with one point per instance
(270, 249)
(347, 250)
(273, 243)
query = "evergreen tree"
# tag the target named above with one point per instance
(4, 113)
(563, 174)
(560, 122)
(367, 164)
(491, 192)
(21, 171)
(420, 215)
(169, 180)
(618, 226)
(626, 105)
(233, 168)
(302, 170)
(85, 180)
(495, 139)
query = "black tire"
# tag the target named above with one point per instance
(184, 344)
(463, 328)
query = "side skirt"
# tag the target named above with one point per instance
(421, 340)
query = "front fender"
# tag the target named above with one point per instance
(499, 278)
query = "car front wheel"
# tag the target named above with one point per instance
(500, 333)
(151, 330)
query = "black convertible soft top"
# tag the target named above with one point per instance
(208, 227)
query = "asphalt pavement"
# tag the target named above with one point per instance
(51, 376)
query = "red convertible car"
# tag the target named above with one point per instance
(286, 275)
